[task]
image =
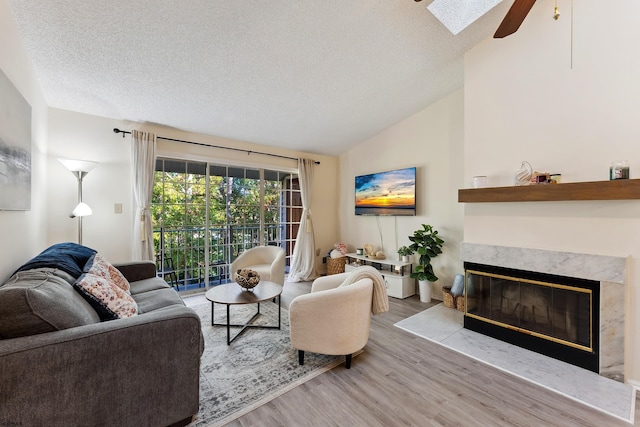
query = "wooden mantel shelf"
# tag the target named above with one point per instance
(621, 189)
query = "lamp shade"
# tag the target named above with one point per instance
(81, 210)
(78, 165)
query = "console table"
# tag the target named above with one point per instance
(396, 274)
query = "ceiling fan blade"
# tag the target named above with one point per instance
(513, 18)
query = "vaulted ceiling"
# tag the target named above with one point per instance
(314, 76)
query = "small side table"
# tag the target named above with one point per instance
(232, 294)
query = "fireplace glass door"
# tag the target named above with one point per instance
(555, 312)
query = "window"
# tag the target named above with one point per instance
(205, 215)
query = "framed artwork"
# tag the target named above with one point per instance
(15, 148)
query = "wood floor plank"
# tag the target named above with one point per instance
(404, 380)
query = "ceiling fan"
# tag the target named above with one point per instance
(515, 16)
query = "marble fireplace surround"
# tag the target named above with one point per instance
(610, 271)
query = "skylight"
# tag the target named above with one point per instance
(457, 15)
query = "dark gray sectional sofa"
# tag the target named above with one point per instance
(60, 365)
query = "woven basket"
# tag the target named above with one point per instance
(336, 265)
(460, 303)
(447, 297)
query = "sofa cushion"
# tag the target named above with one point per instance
(146, 285)
(38, 301)
(99, 266)
(157, 299)
(68, 257)
(107, 299)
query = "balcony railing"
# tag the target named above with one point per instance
(181, 252)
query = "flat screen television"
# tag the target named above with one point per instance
(387, 193)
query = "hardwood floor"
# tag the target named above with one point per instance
(404, 380)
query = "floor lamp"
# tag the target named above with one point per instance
(80, 169)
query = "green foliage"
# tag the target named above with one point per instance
(179, 213)
(405, 251)
(428, 245)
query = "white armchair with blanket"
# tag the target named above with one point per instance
(268, 261)
(335, 317)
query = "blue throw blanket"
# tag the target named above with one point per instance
(68, 257)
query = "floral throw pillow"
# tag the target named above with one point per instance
(101, 267)
(108, 299)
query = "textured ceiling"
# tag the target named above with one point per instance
(315, 76)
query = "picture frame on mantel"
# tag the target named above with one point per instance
(15, 148)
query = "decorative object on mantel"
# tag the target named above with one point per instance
(619, 170)
(555, 178)
(428, 245)
(540, 177)
(524, 174)
(247, 278)
(480, 181)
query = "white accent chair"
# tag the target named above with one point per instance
(332, 319)
(268, 261)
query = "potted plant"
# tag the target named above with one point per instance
(428, 245)
(405, 252)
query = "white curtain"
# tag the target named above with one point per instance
(303, 258)
(143, 161)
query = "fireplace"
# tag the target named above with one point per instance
(565, 305)
(552, 315)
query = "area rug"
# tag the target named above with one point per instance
(257, 367)
(444, 326)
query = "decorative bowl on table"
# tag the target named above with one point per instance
(247, 278)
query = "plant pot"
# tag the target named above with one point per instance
(425, 290)
(405, 258)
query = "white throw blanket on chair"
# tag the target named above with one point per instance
(380, 302)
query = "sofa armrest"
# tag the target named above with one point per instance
(138, 270)
(146, 367)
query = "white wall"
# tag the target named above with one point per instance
(86, 137)
(23, 233)
(431, 140)
(566, 107)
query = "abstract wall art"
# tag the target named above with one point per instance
(15, 148)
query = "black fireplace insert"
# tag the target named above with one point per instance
(553, 315)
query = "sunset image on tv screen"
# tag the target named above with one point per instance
(387, 193)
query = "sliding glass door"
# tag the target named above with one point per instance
(205, 215)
